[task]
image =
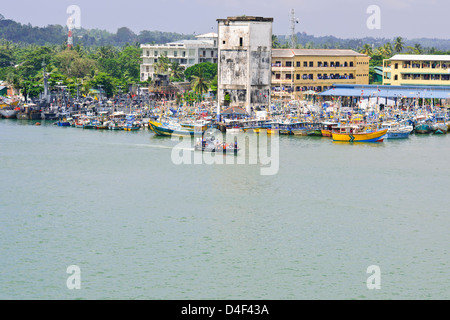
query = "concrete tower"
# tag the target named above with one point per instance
(245, 62)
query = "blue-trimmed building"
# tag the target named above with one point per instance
(388, 91)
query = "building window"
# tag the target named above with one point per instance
(325, 64)
(351, 63)
(319, 64)
(277, 76)
(298, 64)
(156, 53)
(311, 64)
(183, 54)
(288, 63)
(241, 42)
(396, 77)
(305, 64)
(297, 76)
(148, 53)
(288, 76)
(175, 53)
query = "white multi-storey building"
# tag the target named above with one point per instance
(186, 52)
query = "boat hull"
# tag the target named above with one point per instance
(166, 132)
(422, 129)
(397, 135)
(376, 136)
(9, 114)
(327, 133)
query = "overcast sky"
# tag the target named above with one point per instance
(341, 18)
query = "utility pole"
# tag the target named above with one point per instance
(293, 22)
(46, 96)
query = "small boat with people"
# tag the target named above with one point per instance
(213, 145)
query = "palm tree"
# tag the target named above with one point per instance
(275, 42)
(399, 45)
(366, 49)
(418, 48)
(176, 71)
(162, 66)
(388, 49)
(199, 84)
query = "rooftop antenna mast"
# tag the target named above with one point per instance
(294, 21)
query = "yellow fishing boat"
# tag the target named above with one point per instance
(349, 134)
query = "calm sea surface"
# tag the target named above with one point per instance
(140, 227)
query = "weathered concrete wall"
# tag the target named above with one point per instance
(260, 67)
(233, 67)
(260, 96)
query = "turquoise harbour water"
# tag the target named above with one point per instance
(140, 227)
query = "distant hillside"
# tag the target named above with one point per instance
(57, 34)
(333, 42)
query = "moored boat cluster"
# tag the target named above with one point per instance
(348, 125)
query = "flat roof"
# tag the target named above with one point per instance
(290, 53)
(246, 18)
(383, 91)
(207, 35)
(420, 57)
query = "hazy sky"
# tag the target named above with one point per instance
(341, 18)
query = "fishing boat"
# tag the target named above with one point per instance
(423, 125)
(29, 112)
(299, 129)
(175, 129)
(328, 127)
(349, 134)
(9, 112)
(115, 126)
(396, 130)
(49, 114)
(131, 124)
(440, 126)
(215, 146)
(63, 123)
(314, 130)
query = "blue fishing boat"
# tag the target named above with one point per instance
(422, 127)
(396, 130)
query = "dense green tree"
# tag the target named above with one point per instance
(207, 69)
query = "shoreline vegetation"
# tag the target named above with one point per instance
(112, 61)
